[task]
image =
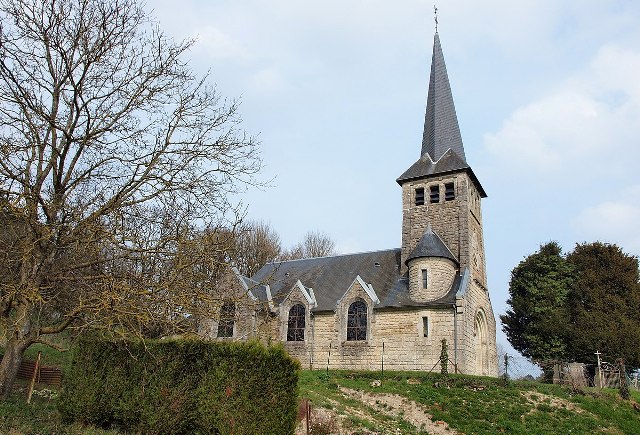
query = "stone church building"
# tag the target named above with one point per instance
(395, 306)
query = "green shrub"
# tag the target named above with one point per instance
(181, 386)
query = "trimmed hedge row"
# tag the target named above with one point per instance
(182, 386)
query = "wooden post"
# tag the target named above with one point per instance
(33, 378)
(382, 375)
(308, 413)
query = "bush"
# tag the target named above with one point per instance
(181, 386)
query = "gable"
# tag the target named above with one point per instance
(359, 286)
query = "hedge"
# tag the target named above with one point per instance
(181, 386)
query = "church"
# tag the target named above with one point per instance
(389, 308)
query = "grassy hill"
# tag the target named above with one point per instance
(353, 402)
(408, 403)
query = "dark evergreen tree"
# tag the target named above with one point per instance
(604, 304)
(537, 322)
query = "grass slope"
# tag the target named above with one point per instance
(474, 405)
(470, 405)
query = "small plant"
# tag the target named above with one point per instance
(46, 393)
(444, 358)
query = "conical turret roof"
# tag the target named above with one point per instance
(431, 245)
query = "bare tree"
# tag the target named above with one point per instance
(256, 244)
(315, 244)
(112, 153)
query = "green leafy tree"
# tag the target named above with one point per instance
(537, 322)
(604, 304)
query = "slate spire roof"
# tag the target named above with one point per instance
(441, 129)
(442, 150)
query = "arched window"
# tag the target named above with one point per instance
(227, 319)
(357, 321)
(295, 330)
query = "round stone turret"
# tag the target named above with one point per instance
(432, 268)
(430, 278)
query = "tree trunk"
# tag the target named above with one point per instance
(13, 353)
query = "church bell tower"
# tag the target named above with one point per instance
(441, 196)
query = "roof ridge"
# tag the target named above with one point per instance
(333, 256)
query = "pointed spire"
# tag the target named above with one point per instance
(441, 130)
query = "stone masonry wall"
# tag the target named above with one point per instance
(395, 336)
(440, 275)
(444, 216)
(400, 331)
(476, 299)
(457, 222)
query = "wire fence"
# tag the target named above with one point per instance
(602, 374)
(518, 367)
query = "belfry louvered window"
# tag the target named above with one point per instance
(295, 329)
(434, 194)
(420, 196)
(449, 192)
(357, 321)
(227, 319)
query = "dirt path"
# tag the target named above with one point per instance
(398, 406)
(382, 411)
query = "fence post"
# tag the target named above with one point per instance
(506, 366)
(308, 414)
(382, 374)
(36, 368)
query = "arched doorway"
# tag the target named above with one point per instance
(480, 344)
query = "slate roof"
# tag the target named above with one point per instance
(449, 163)
(257, 290)
(431, 245)
(331, 277)
(442, 148)
(441, 129)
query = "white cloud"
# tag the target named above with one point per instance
(613, 221)
(216, 44)
(591, 120)
(267, 81)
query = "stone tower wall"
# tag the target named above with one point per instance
(444, 216)
(477, 299)
(457, 222)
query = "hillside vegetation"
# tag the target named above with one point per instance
(355, 402)
(408, 403)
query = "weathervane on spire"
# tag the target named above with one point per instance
(435, 16)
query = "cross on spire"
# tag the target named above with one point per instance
(435, 16)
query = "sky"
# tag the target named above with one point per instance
(546, 91)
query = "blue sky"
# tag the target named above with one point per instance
(547, 95)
